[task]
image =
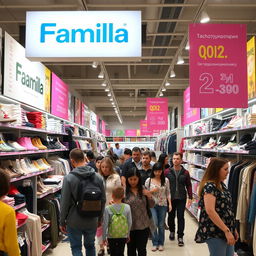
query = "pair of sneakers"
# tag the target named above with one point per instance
(180, 239)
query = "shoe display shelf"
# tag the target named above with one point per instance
(31, 152)
(45, 226)
(197, 164)
(49, 192)
(32, 174)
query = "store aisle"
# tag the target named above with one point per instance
(171, 247)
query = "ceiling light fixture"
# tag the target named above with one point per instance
(101, 74)
(167, 84)
(161, 94)
(172, 74)
(95, 64)
(180, 60)
(163, 89)
(204, 17)
(107, 90)
(187, 46)
(111, 99)
(112, 103)
(104, 84)
(109, 94)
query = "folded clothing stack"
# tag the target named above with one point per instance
(251, 119)
(9, 200)
(36, 118)
(25, 121)
(18, 197)
(21, 218)
(14, 111)
(54, 125)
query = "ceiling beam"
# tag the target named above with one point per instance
(39, 6)
(138, 5)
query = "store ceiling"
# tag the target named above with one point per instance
(166, 24)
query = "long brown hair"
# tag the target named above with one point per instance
(212, 174)
(108, 161)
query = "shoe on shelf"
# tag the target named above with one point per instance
(101, 252)
(172, 236)
(16, 145)
(154, 249)
(180, 242)
(160, 248)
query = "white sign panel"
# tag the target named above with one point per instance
(83, 35)
(93, 122)
(25, 81)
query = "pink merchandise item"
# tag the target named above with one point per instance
(26, 143)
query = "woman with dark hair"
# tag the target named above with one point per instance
(159, 187)
(8, 230)
(217, 220)
(163, 159)
(98, 161)
(140, 200)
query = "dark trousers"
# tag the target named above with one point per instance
(138, 242)
(116, 246)
(179, 207)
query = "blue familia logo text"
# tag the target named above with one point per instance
(103, 33)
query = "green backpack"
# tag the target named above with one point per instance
(118, 227)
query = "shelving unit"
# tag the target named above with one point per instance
(46, 247)
(51, 191)
(31, 175)
(19, 206)
(45, 226)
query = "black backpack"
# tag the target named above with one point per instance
(88, 201)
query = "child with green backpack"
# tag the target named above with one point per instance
(117, 223)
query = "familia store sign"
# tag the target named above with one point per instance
(25, 81)
(79, 35)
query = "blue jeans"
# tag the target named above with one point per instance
(219, 247)
(75, 238)
(158, 214)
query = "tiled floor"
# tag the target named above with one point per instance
(171, 247)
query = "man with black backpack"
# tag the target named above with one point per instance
(82, 204)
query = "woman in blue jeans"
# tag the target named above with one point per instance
(217, 220)
(159, 187)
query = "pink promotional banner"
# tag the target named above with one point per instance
(144, 128)
(131, 132)
(157, 113)
(108, 132)
(218, 66)
(103, 128)
(190, 114)
(83, 114)
(60, 98)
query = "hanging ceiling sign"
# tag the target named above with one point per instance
(157, 114)
(218, 66)
(83, 35)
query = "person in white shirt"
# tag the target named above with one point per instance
(117, 150)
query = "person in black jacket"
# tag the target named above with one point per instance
(180, 186)
(91, 158)
(134, 161)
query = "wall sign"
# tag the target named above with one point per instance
(217, 71)
(131, 132)
(157, 113)
(190, 114)
(25, 81)
(60, 98)
(78, 111)
(80, 35)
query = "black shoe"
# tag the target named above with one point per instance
(172, 236)
(108, 250)
(180, 242)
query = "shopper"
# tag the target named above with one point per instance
(111, 181)
(164, 160)
(117, 150)
(146, 169)
(127, 153)
(91, 160)
(159, 187)
(180, 186)
(117, 223)
(134, 161)
(98, 161)
(217, 220)
(140, 200)
(153, 157)
(72, 221)
(8, 230)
